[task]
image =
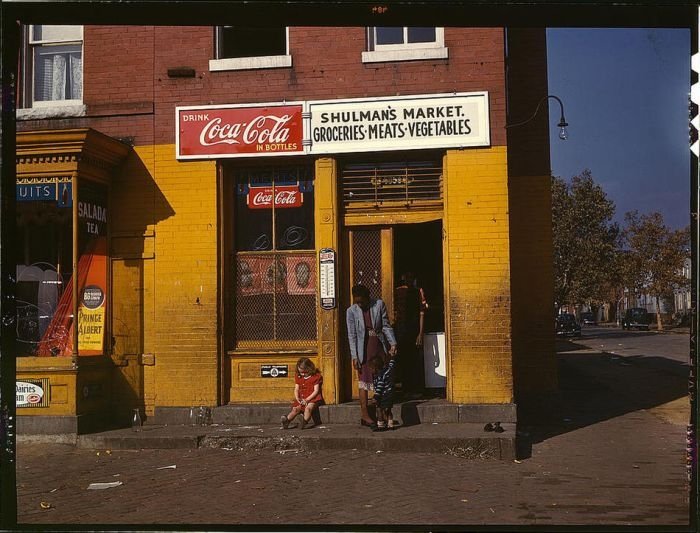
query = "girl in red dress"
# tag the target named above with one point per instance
(307, 392)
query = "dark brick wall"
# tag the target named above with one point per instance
(125, 74)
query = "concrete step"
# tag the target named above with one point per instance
(409, 412)
(465, 440)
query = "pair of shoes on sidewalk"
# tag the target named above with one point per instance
(304, 424)
(495, 426)
(380, 426)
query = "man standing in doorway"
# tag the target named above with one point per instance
(410, 306)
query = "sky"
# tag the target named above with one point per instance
(625, 95)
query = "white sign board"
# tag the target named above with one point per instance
(32, 393)
(399, 123)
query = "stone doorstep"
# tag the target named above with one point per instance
(465, 440)
(410, 412)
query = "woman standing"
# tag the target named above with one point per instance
(370, 335)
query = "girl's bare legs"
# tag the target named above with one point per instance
(307, 414)
(389, 418)
(291, 416)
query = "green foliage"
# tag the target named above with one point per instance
(585, 240)
(654, 256)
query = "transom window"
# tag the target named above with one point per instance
(399, 38)
(52, 64)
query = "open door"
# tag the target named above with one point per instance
(371, 263)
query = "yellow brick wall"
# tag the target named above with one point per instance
(171, 207)
(477, 276)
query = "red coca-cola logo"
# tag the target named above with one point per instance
(284, 197)
(240, 131)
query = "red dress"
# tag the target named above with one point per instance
(306, 388)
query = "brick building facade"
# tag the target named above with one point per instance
(176, 308)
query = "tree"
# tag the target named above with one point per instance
(585, 241)
(655, 255)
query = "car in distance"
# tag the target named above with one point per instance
(588, 319)
(636, 317)
(567, 326)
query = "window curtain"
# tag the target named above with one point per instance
(58, 74)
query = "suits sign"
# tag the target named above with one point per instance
(458, 120)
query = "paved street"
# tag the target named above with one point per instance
(668, 345)
(611, 451)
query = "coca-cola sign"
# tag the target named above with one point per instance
(284, 196)
(239, 131)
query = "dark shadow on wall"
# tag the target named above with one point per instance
(137, 205)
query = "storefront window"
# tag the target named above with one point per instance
(275, 260)
(44, 266)
(45, 309)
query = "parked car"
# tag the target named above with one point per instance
(588, 319)
(567, 326)
(636, 317)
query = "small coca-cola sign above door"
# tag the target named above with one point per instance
(239, 131)
(284, 196)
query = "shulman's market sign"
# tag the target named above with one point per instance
(457, 120)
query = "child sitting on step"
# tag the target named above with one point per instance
(307, 392)
(383, 391)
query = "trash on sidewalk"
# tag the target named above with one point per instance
(45, 505)
(465, 501)
(172, 467)
(54, 490)
(101, 486)
(282, 452)
(517, 462)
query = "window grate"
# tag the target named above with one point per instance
(391, 184)
(276, 296)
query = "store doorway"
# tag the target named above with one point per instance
(378, 256)
(417, 254)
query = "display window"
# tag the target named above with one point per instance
(45, 277)
(274, 258)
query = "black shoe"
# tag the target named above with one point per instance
(367, 424)
(497, 428)
(285, 422)
(489, 427)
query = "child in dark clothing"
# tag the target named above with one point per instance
(383, 378)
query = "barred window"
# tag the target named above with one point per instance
(275, 260)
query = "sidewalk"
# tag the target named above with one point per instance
(609, 451)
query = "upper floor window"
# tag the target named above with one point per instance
(239, 48)
(52, 65)
(386, 43)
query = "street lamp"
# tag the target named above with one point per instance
(563, 133)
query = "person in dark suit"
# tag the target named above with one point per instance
(370, 335)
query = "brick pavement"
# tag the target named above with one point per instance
(614, 460)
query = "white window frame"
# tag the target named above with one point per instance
(249, 63)
(404, 51)
(74, 106)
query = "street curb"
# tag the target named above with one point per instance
(473, 445)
